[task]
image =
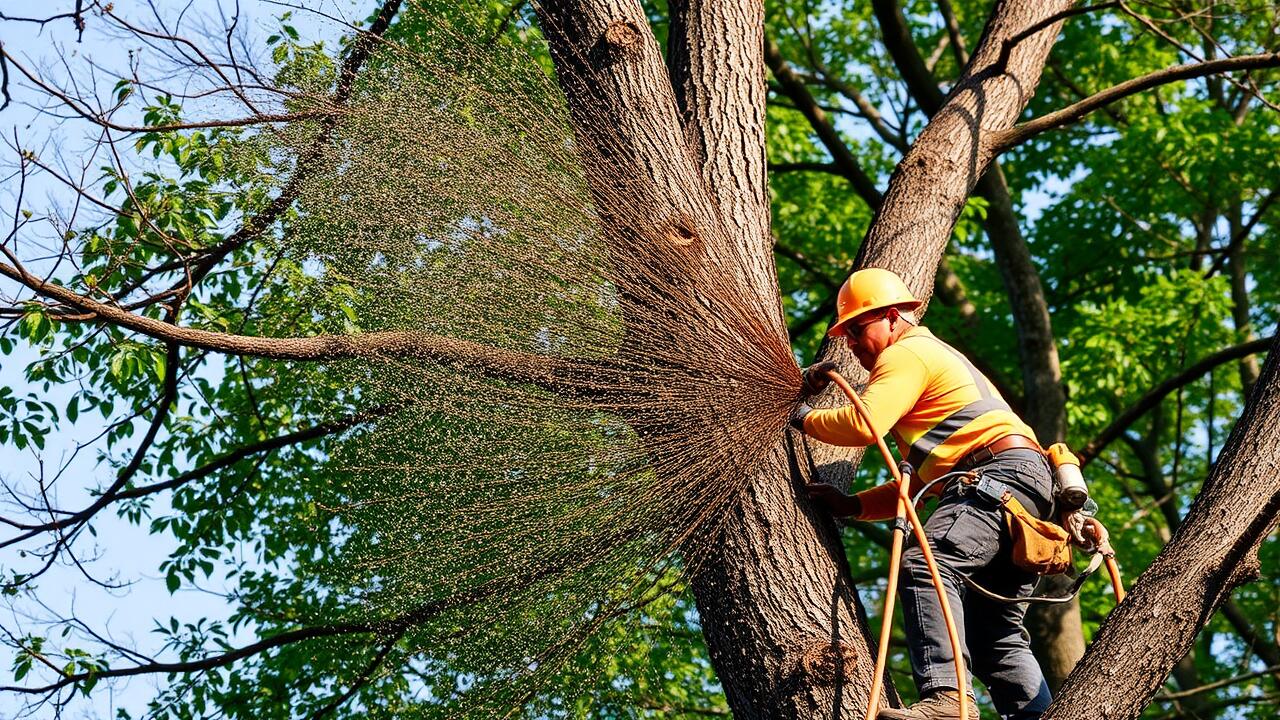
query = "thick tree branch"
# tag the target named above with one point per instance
(1072, 113)
(502, 363)
(1214, 551)
(1156, 394)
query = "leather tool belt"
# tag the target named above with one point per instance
(987, 453)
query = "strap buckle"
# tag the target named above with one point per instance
(979, 456)
(983, 487)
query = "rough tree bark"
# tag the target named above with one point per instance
(782, 625)
(778, 608)
(1214, 551)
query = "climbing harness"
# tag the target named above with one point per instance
(907, 520)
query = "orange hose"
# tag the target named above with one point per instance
(1117, 584)
(886, 623)
(904, 507)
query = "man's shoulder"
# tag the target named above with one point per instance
(905, 352)
(918, 341)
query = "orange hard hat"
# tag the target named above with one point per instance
(867, 291)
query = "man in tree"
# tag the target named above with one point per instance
(945, 416)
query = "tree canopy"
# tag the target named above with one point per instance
(418, 172)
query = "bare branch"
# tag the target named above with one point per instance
(1274, 669)
(1021, 133)
(231, 458)
(360, 51)
(103, 120)
(208, 62)
(361, 679)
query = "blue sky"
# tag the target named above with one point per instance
(125, 552)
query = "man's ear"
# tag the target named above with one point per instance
(894, 316)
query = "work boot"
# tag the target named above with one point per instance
(936, 705)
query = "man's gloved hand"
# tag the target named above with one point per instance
(817, 377)
(1073, 522)
(797, 415)
(1096, 534)
(833, 501)
(1087, 532)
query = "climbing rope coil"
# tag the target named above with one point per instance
(907, 520)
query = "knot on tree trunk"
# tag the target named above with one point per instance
(825, 663)
(622, 37)
(681, 232)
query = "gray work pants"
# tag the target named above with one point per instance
(969, 537)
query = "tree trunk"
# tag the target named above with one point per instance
(790, 632)
(778, 607)
(1214, 551)
(1240, 299)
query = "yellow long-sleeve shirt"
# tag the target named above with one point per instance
(937, 406)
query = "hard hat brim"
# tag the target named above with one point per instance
(838, 329)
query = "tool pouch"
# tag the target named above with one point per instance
(1039, 546)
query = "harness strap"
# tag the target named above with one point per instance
(1094, 563)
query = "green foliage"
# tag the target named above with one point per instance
(1113, 210)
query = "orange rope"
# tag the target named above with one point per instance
(905, 508)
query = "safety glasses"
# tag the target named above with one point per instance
(853, 331)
